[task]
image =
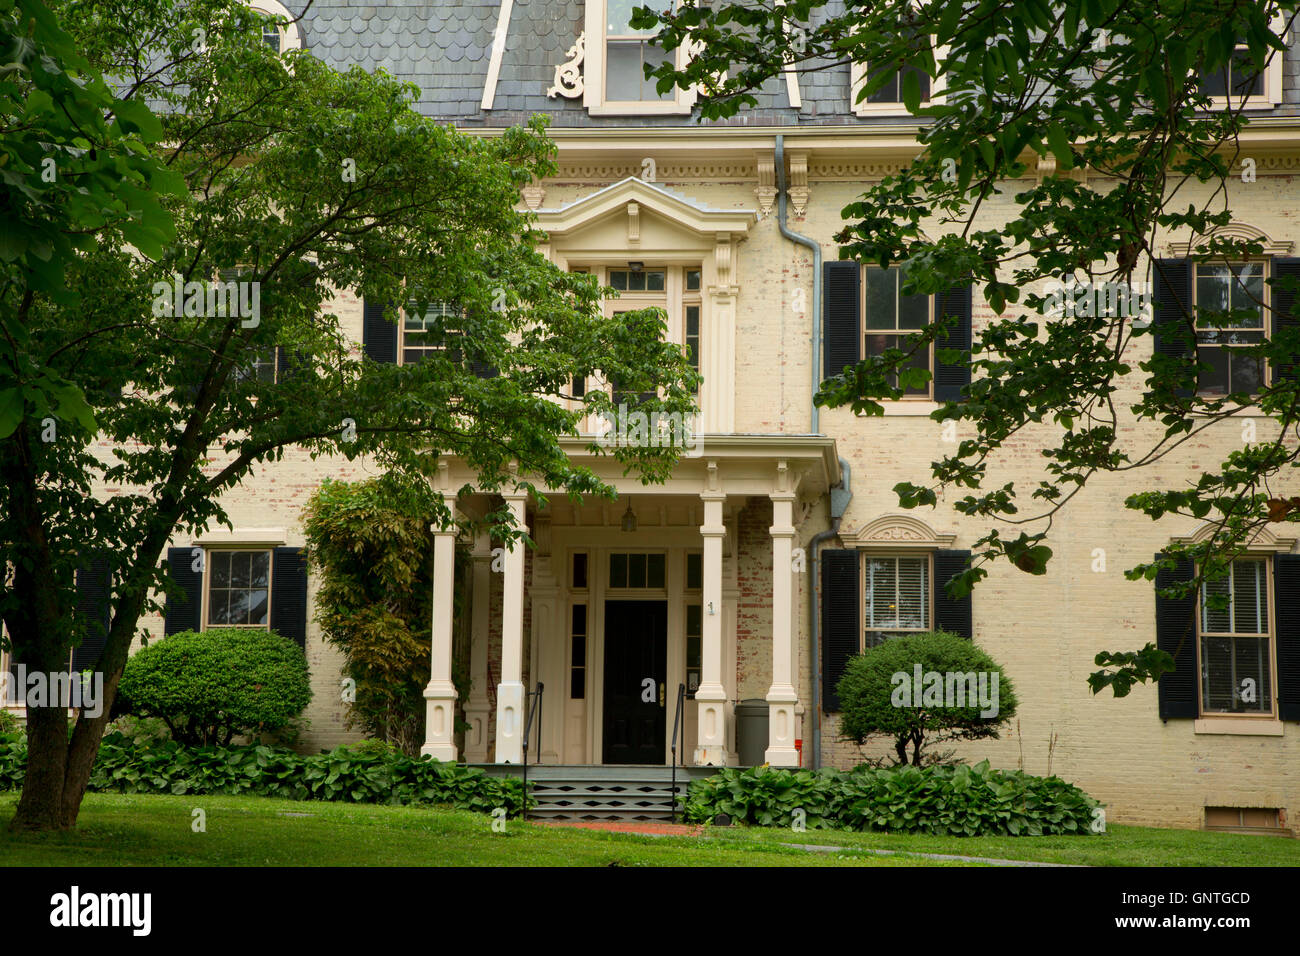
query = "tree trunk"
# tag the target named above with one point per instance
(41, 805)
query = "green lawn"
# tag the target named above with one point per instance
(118, 830)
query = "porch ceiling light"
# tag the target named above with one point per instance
(636, 266)
(629, 519)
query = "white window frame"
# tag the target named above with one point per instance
(858, 71)
(865, 557)
(1266, 307)
(1271, 97)
(863, 268)
(1270, 618)
(593, 92)
(290, 38)
(208, 552)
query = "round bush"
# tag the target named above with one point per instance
(209, 686)
(878, 693)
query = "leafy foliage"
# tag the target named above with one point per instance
(953, 801)
(871, 706)
(1104, 86)
(373, 558)
(209, 686)
(213, 153)
(358, 775)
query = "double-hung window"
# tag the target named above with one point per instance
(615, 60)
(1232, 315)
(895, 596)
(239, 588)
(1236, 637)
(889, 317)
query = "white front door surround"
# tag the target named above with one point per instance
(693, 512)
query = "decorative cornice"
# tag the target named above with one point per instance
(670, 172)
(799, 191)
(847, 170)
(766, 188)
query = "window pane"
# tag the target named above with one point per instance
(256, 607)
(1246, 371)
(881, 299)
(654, 281)
(580, 569)
(913, 592)
(618, 570)
(692, 280)
(887, 93)
(623, 70)
(1249, 607)
(579, 650)
(1215, 621)
(692, 321)
(1214, 379)
(881, 593)
(218, 607)
(219, 566)
(1235, 675)
(693, 629)
(913, 312)
(261, 569)
(654, 571)
(636, 570)
(240, 565)
(578, 683)
(1215, 84)
(579, 619)
(618, 279)
(619, 13)
(695, 570)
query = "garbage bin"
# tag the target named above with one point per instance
(751, 731)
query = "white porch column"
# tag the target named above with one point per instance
(440, 693)
(477, 708)
(782, 697)
(711, 697)
(510, 692)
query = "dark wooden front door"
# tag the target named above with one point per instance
(636, 671)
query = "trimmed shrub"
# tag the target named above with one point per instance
(355, 775)
(209, 686)
(945, 801)
(883, 694)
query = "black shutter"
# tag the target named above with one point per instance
(289, 595)
(184, 611)
(378, 334)
(842, 315)
(953, 616)
(94, 590)
(1286, 598)
(1173, 289)
(841, 620)
(1283, 303)
(1176, 634)
(950, 379)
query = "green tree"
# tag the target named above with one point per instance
(1106, 85)
(919, 690)
(307, 181)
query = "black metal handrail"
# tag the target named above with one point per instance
(534, 708)
(678, 727)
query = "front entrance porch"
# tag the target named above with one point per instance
(620, 603)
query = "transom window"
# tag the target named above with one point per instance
(1230, 318)
(644, 570)
(896, 596)
(239, 588)
(1236, 641)
(889, 317)
(641, 280)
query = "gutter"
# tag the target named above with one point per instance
(841, 495)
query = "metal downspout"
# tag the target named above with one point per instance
(838, 501)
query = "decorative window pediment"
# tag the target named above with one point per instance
(897, 532)
(1263, 541)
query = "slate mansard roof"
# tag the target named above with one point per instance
(444, 48)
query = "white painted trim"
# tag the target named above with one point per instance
(1238, 726)
(269, 537)
(498, 51)
(792, 88)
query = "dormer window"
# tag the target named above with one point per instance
(1239, 85)
(280, 33)
(616, 56)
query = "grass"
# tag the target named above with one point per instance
(139, 830)
(1118, 846)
